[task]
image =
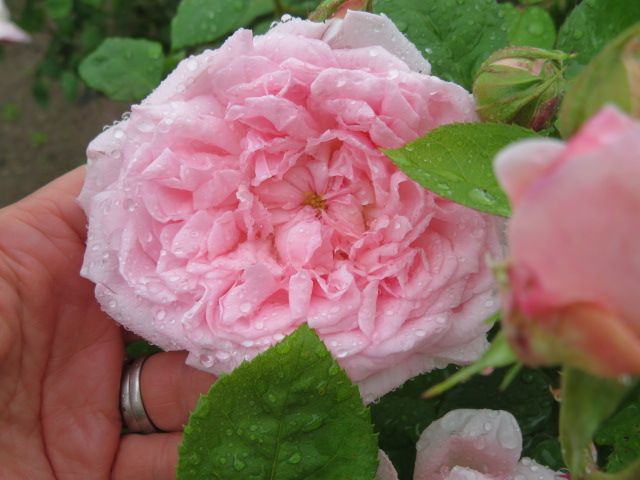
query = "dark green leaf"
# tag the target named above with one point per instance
(69, 82)
(456, 36)
(531, 27)
(547, 452)
(93, 3)
(40, 91)
(528, 398)
(586, 402)
(291, 413)
(622, 434)
(591, 25)
(124, 68)
(456, 161)
(58, 9)
(499, 354)
(609, 78)
(203, 21)
(141, 348)
(401, 416)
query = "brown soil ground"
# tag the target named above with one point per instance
(38, 144)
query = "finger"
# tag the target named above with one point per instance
(60, 197)
(171, 389)
(147, 457)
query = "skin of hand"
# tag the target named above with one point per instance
(61, 358)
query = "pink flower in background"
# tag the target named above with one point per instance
(471, 445)
(248, 195)
(9, 31)
(575, 258)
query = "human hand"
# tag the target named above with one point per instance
(61, 358)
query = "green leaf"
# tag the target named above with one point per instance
(586, 402)
(610, 78)
(591, 25)
(456, 36)
(456, 161)
(204, 21)
(528, 398)
(69, 82)
(531, 27)
(140, 348)
(291, 413)
(499, 354)
(124, 68)
(622, 434)
(58, 9)
(401, 416)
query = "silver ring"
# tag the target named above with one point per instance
(134, 415)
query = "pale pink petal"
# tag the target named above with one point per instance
(461, 473)
(10, 32)
(520, 164)
(487, 441)
(361, 29)
(529, 469)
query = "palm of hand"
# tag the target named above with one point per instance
(60, 356)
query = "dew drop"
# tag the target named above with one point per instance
(420, 333)
(206, 360)
(223, 355)
(245, 307)
(161, 315)
(192, 64)
(482, 196)
(535, 29)
(118, 133)
(238, 464)
(295, 458)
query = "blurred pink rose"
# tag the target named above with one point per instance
(471, 445)
(9, 31)
(248, 195)
(575, 258)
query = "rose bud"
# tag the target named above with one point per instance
(613, 76)
(574, 267)
(521, 85)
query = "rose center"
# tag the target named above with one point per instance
(314, 200)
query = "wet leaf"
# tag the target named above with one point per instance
(456, 162)
(456, 36)
(289, 414)
(124, 68)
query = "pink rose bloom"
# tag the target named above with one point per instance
(248, 195)
(471, 445)
(575, 259)
(9, 31)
